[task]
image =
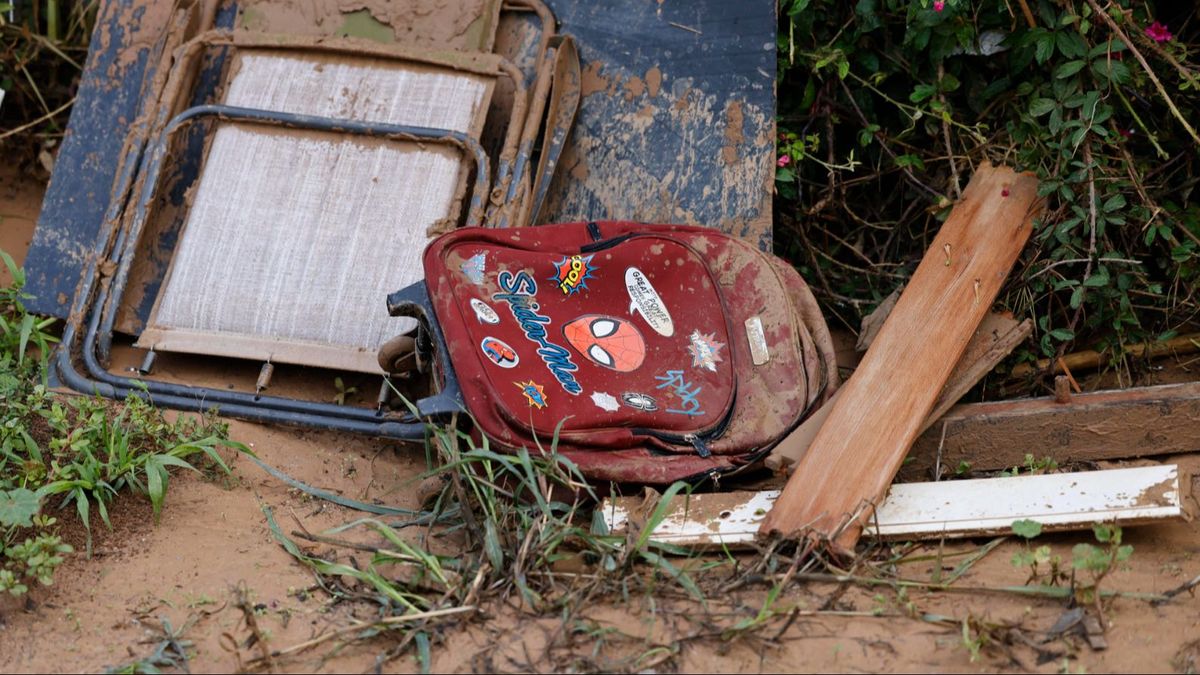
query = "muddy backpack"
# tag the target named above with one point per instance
(658, 352)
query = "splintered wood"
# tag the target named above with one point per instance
(858, 450)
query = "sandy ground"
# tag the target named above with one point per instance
(213, 546)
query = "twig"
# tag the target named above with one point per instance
(891, 153)
(1162, 91)
(34, 123)
(683, 27)
(946, 135)
(1091, 253)
(1179, 589)
(1028, 14)
(1052, 265)
(361, 626)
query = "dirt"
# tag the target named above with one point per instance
(212, 544)
(20, 202)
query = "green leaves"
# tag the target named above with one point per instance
(18, 507)
(922, 92)
(1069, 68)
(1041, 106)
(1027, 529)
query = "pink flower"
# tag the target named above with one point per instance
(939, 5)
(783, 161)
(1159, 32)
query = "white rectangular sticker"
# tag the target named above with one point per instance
(758, 341)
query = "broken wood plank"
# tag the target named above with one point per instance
(945, 509)
(1120, 424)
(872, 425)
(995, 339)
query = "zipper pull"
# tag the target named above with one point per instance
(698, 444)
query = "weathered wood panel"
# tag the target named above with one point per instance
(1140, 422)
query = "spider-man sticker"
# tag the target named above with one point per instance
(499, 353)
(607, 341)
(640, 401)
(572, 272)
(534, 393)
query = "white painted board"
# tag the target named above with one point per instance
(950, 509)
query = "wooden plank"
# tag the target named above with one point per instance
(858, 450)
(1139, 422)
(946, 509)
(996, 337)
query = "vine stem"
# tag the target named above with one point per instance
(1162, 91)
(1091, 254)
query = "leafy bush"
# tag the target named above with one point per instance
(886, 105)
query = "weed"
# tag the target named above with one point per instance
(171, 650)
(85, 450)
(343, 392)
(1098, 562)
(1034, 558)
(1032, 466)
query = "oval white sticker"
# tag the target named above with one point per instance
(498, 352)
(644, 300)
(484, 313)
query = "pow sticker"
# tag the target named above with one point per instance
(475, 267)
(572, 272)
(640, 402)
(605, 402)
(607, 341)
(705, 350)
(499, 353)
(534, 393)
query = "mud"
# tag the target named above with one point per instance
(20, 202)
(468, 25)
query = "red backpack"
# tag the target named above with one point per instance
(666, 352)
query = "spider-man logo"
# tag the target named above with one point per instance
(607, 341)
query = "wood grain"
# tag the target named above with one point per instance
(859, 449)
(1096, 426)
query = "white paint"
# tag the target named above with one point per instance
(950, 509)
(644, 300)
